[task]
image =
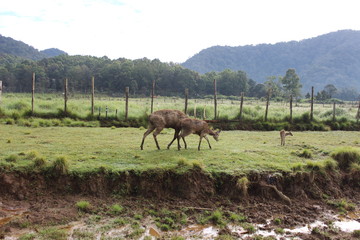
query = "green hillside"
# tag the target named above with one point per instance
(332, 58)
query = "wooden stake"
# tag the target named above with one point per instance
(312, 104)
(267, 104)
(92, 95)
(186, 99)
(65, 95)
(215, 100)
(0, 90)
(241, 105)
(152, 96)
(126, 103)
(334, 111)
(358, 113)
(33, 93)
(291, 101)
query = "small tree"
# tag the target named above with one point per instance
(330, 90)
(291, 83)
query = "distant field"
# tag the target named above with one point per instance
(119, 148)
(13, 104)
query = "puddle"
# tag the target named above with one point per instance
(105, 228)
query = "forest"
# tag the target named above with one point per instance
(112, 76)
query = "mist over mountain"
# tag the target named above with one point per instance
(332, 58)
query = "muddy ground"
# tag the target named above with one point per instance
(32, 200)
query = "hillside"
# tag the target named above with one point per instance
(332, 58)
(17, 48)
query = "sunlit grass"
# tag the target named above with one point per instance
(88, 149)
(80, 105)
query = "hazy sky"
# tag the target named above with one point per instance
(170, 30)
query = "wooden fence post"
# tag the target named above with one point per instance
(152, 96)
(358, 113)
(65, 95)
(0, 90)
(126, 103)
(267, 104)
(186, 99)
(334, 111)
(291, 101)
(312, 104)
(33, 93)
(92, 95)
(215, 100)
(241, 105)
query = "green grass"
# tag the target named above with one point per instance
(14, 105)
(91, 149)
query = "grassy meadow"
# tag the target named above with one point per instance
(16, 105)
(118, 149)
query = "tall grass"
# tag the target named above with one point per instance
(51, 106)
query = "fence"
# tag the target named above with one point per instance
(194, 111)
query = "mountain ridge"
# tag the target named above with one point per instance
(332, 58)
(17, 48)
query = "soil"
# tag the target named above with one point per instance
(297, 198)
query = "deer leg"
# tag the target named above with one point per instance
(184, 142)
(207, 141)
(157, 131)
(150, 129)
(200, 142)
(175, 137)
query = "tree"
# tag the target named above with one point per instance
(274, 86)
(291, 83)
(330, 90)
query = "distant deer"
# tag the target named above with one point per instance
(198, 127)
(164, 119)
(283, 134)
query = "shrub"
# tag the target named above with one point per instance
(330, 164)
(39, 162)
(32, 155)
(306, 153)
(11, 158)
(60, 165)
(83, 206)
(345, 156)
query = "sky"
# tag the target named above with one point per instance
(169, 30)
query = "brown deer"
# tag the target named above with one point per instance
(164, 119)
(283, 134)
(198, 127)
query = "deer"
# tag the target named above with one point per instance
(161, 119)
(283, 134)
(196, 126)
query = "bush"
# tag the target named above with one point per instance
(345, 156)
(39, 162)
(116, 209)
(11, 158)
(83, 206)
(60, 165)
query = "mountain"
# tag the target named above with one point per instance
(332, 58)
(17, 48)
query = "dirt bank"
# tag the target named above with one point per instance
(299, 198)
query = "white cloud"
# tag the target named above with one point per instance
(169, 30)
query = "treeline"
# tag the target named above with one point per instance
(112, 76)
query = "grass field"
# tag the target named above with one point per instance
(87, 149)
(15, 105)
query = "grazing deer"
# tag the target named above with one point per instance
(283, 134)
(164, 119)
(198, 127)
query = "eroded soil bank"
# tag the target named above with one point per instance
(30, 200)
